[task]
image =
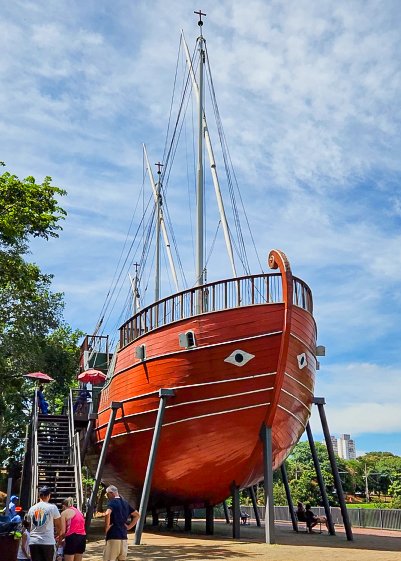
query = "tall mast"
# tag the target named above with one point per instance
(136, 302)
(158, 218)
(199, 183)
(213, 167)
(162, 223)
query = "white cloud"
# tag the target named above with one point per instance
(309, 97)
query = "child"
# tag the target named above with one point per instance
(60, 552)
(23, 549)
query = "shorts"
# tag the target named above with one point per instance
(40, 552)
(115, 550)
(74, 543)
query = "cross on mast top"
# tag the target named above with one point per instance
(200, 14)
(159, 166)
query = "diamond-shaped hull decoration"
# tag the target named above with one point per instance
(239, 357)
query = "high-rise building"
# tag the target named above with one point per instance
(343, 447)
(346, 447)
(334, 443)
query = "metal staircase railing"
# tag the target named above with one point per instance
(35, 451)
(75, 453)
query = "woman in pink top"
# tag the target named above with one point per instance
(73, 531)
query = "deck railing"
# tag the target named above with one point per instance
(216, 296)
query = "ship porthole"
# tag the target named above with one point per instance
(302, 362)
(239, 357)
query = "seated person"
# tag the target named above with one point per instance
(312, 519)
(244, 517)
(300, 512)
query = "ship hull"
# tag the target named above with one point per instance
(211, 426)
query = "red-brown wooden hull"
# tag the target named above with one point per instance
(210, 434)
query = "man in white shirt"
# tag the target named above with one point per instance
(45, 521)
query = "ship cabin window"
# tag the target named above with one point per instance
(187, 340)
(140, 352)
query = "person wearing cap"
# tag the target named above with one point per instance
(44, 518)
(12, 506)
(116, 527)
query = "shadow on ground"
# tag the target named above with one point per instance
(163, 545)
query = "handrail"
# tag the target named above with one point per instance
(278, 260)
(35, 452)
(75, 453)
(248, 290)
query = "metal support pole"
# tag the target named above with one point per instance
(226, 514)
(164, 394)
(236, 511)
(170, 518)
(115, 405)
(155, 517)
(322, 486)
(188, 519)
(251, 492)
(289, 498)
(320, 402)
(88, 434)
(209, 520)
(9, 487)
(266, 437)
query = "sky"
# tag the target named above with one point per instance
(309, 95)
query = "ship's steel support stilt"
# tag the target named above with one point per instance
(115, 406)
(164, 394)
(155, 517)
(170, 518)
(289, 498)
(88, 435)
(209, 520)
(187, 519)
(266, 437)
(320, 402)
(251, 493)
(322, 486)
(236, 511)
(226, 513)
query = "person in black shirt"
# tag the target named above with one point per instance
(116, 527)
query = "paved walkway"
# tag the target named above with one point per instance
(368, 545)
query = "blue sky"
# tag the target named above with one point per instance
(309, 94)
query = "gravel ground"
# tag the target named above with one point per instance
(368, 545)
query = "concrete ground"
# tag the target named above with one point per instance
(175, 545)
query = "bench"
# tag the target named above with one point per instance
(170, 520)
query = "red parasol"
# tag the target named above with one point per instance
(93, 376)
(39, 376)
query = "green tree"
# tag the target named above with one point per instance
(32, 333)
(28, 209)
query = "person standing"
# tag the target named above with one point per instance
(44, 518)
(73, 528)
(42, 403)
(23, 548)
(12, 506)
(116, 527)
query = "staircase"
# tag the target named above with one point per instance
(54, 454)
(55, 459)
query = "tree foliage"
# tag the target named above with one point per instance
(28, 209)
(380, 471)
(33, 335)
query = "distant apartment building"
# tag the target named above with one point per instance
(334, 443)
(344, 447)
